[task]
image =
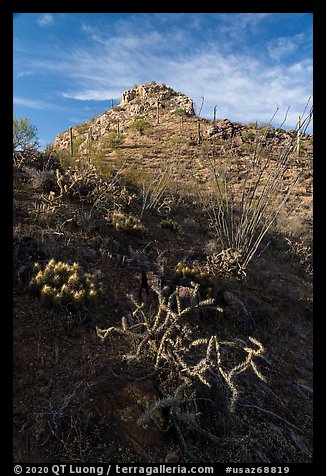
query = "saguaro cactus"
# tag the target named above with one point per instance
(198, 132)
(198, 121)
(89, 143)
(71, 142)
(215, 107)
(298, 135)
(158, 111)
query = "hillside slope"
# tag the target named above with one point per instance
(138, 337)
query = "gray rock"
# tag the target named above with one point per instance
(90, 254)
(305, 389)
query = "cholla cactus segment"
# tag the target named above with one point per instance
(227, 262)
(62, 284)
(127, 223)
(194, 366)
(199, 274)
(36, 267)
(165, 337)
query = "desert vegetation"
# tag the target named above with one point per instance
(163, 290)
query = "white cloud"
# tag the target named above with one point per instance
(284, 46)
(234, 25)
(46, 19)
(22, 74)
(36, 104)
(244, 88)
(89, 95)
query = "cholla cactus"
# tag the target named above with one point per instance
(127, 223)
(227, 262)
(198, 275)
(167, 337)
(65, 285)
(193, 367)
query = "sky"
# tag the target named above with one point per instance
(68, 67)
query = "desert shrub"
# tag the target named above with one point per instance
(69, 184)
(155, 190)
(128, 223)
(179, 111)
(300, 252)
(193, 369)
(24, 134)
(41, 180)
(226, 263)
(65, 285)
(76, 145)
(113, 140)
(134, 176)
(242, 208)
(176, 140)
(248, 135)
(170, 225)
(74, 183)
(38, 160)
(81, 128)
(140, 126)
(85, 185)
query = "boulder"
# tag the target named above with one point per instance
(223, 128)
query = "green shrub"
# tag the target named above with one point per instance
(113, 139)
(179, 111)
(24, 134)
(248, 135)
(61, 284)
(140, 126)
(176, 140)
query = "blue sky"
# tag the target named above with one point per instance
(68, 66)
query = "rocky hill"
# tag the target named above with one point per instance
(161, 105)
(144, 101)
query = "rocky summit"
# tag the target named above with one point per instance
(142, 101)
(146, 98)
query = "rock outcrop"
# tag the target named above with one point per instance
(141, 100)
(223, 128)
